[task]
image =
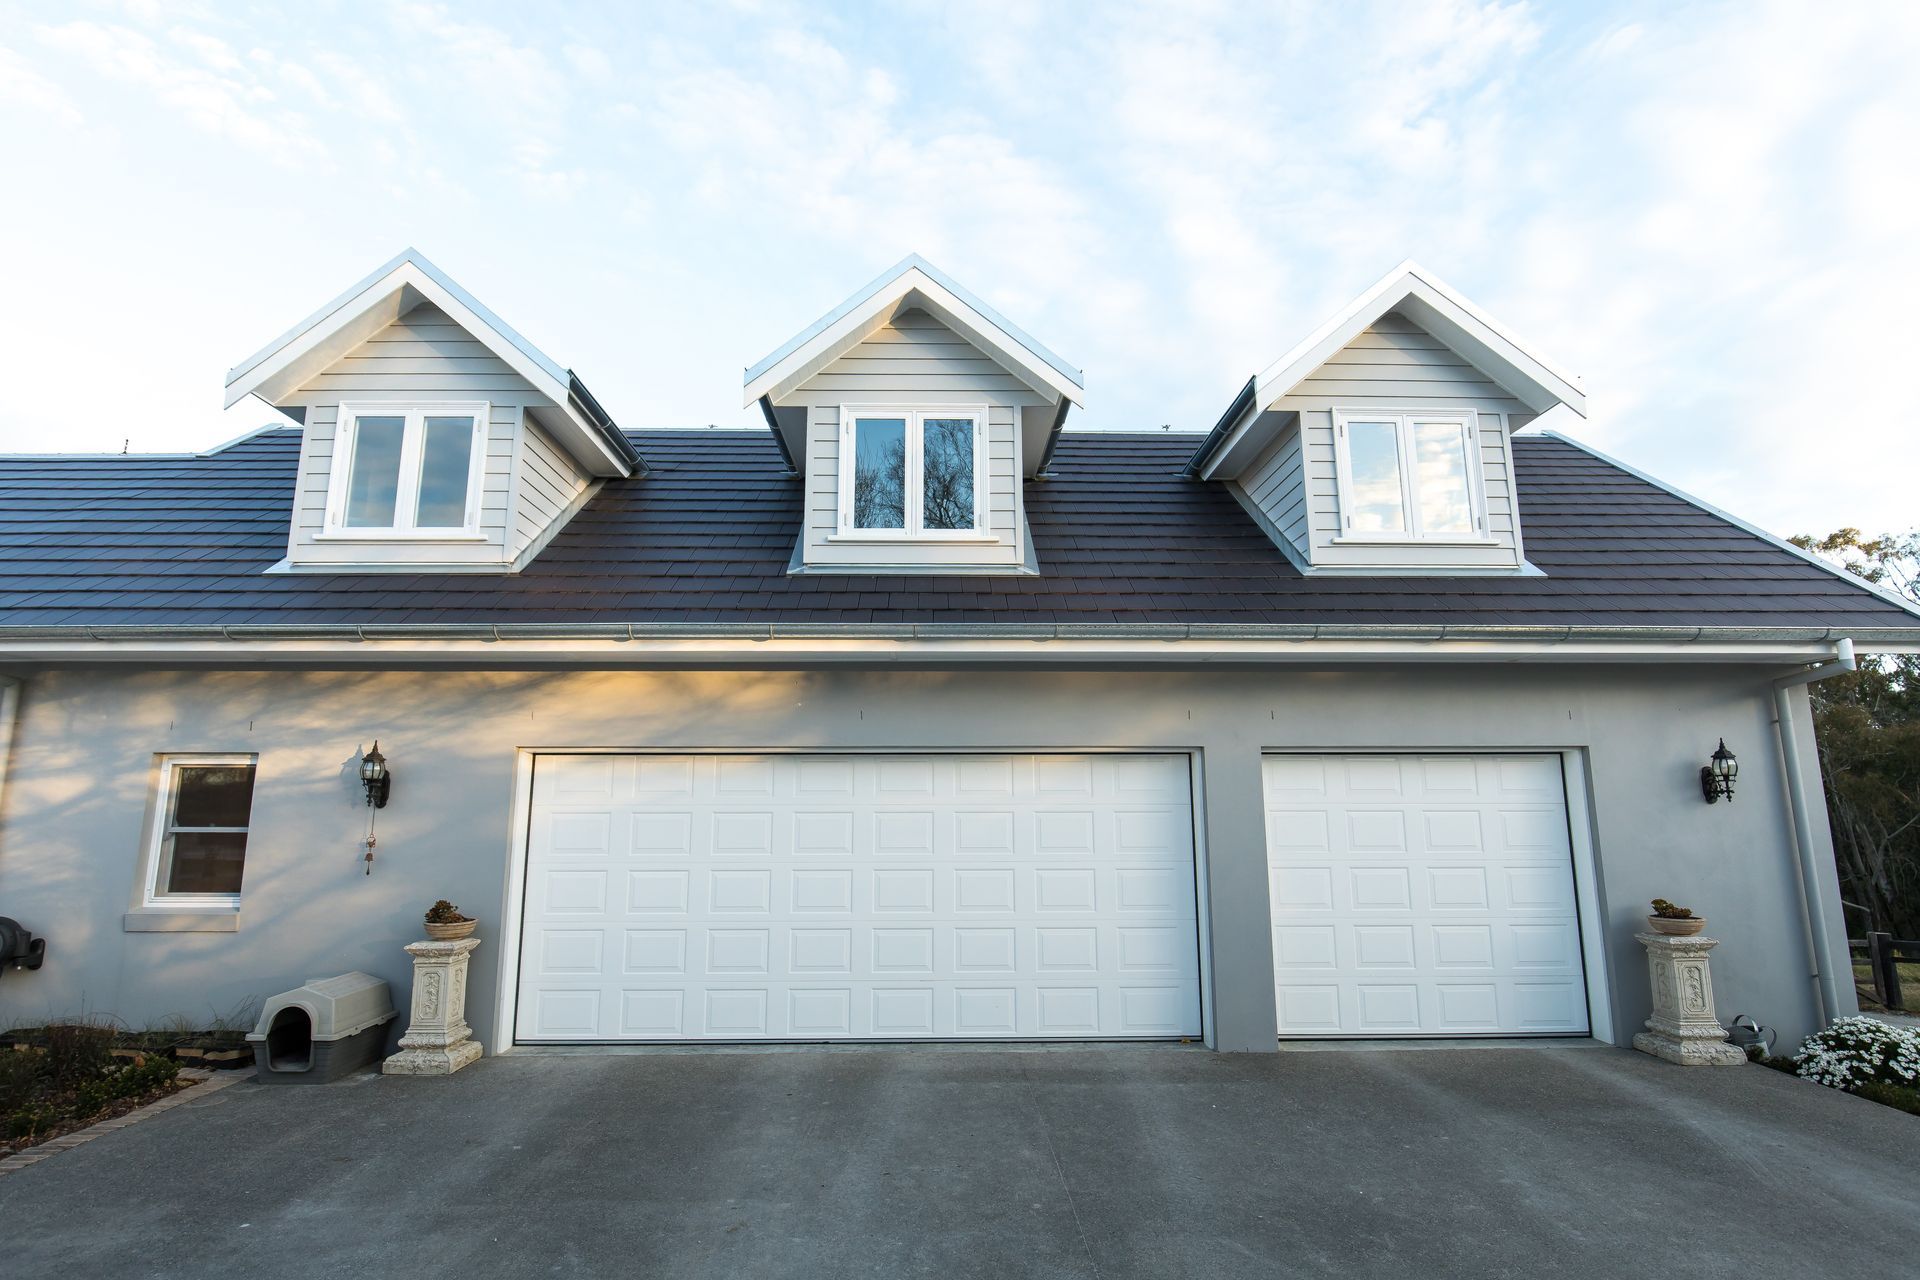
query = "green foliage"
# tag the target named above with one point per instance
(444, 912)
(1781, 1062)
(1901, 1097)
(1868, 726)
(72, 1079)
(1667, 911)
(19, 1079)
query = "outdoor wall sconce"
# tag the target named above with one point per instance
(378, 780)
(1716, 776)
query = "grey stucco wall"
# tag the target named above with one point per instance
(77, 800)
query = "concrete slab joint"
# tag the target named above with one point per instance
(438, 1041)
(1683, 1027)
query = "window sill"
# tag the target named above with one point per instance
(912, 540)
(399, 535)
(1393, 540)
(182, 920)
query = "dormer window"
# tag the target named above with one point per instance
(909, 473)
(407, 471)
(1409, 476)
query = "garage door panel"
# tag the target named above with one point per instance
(860, 897)
(1422, 895)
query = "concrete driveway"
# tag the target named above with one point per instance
(1138, 1161)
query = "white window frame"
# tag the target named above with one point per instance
(346, 428)
(915, 478)
(1403, 420)
(153, 891)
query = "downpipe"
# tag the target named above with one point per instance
(9, 716)
(1826, 992)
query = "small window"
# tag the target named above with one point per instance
(1407, 476)
(911, 474)
(400, 470)
(199, 848)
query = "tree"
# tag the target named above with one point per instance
(1868, 727)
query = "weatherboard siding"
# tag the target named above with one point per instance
(1397, 365)
(916, 362)
(422, 358)
(1275, 485)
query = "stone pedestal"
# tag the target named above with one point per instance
(438, 1041)
(1683, 1028)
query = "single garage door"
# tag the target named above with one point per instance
(859, 897)
(1422, 895)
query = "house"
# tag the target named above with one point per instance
(1377, 712)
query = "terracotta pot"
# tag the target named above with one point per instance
(1677, 928)
(451, 932)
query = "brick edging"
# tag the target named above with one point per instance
(206, 1082)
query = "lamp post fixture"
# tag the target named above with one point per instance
(1717, 775)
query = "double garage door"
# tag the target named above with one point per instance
(851, 897)
(1033, 896)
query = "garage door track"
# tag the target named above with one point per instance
(1120, 1161)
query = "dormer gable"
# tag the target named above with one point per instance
(913, 414)
(433, 435)
(1382, 442)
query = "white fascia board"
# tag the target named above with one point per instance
(1891, 597)
(1443, 312)
(840, 329)
(763, 647)
(327, 335)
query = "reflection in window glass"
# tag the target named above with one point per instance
(373, 486)
(203, 848)
(880, 473)
(445, 454)
(1440, 474)
(1373, 449)
(946, 446)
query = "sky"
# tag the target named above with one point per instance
(1706, 211)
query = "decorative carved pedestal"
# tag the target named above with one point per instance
(438, 1042)
(1683, 1028)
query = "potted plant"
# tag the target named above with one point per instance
(1675, 922)
(445, 923)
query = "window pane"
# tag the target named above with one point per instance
(205, 861)
(1374, 450)
(212, 795)
(374, 484)
(444, 457)
(880, 473)
(946, 446)
(1440, 471)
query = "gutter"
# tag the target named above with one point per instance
(1826, 992)
(1228, 420)
(589, 408)
(780, 441)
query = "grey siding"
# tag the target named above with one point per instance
(1397, 365)
(77, 801)
(1275, 487)
(546, 486)
(914, 362)
(420, 358)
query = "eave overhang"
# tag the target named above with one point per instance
(280, 368)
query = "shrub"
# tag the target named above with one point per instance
(444, 912)
(19, 1080)
(1858, 1051)
(77, 1052)
(1667, 911)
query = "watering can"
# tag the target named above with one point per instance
(1747, 1035)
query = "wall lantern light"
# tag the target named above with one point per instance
(1716, 776)
(376, 776)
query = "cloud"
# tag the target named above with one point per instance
(23, 86)
(228, 101)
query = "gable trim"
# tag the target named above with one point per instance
(842, 327)
(329, 333)
(1427, 302)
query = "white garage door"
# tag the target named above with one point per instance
(1422, 895)
(884, 897)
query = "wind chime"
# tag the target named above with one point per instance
(378, 781)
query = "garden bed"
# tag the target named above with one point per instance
(1862, 1056)
(73, 1078)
